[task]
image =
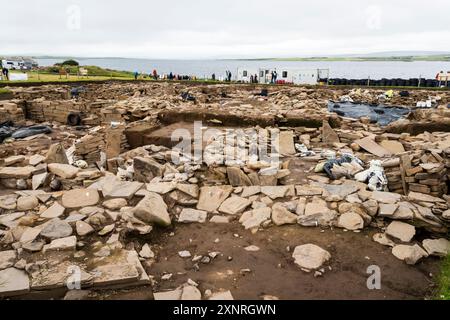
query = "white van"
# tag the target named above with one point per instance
(13, 65)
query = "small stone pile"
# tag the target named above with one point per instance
(90, 146)
(427, 172)
(10, 111)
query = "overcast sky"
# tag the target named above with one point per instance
(221, 28)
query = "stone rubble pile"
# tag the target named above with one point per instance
(74, 200)
(11, 111)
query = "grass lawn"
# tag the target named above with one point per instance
(4, 91)
(444, 280)
(34, 76)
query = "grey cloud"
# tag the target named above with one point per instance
(200, 28)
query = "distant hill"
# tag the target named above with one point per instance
(375, 56)
(405, 58)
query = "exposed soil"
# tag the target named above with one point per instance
(273, 271)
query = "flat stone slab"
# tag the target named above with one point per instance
(114, 274)
(234, 205)
(254, 218)
(276, 192)
(409, 254)
(65, 171)
(55, 229)
(437, 247)
(55, 211)
(392, 146)
(191, 215)
(79, 198)
(111, 187)
(68, 243)
(212, 197)
(30, 234)
(161, 187)
(387, 209)
(371, 146)
(341, 191)
(16, 172)
(189, 189)
(13, 282)
(385, 197)
(420, 197)
(168, 295)
(250, 191)
(7, 259)
(6, 219)
(400, 230)
(58, 276)
(306, 190)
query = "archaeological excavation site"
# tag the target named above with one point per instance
(165, 190)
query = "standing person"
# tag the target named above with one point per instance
(275, 76)
(256, 78)
(155, 74)
(170, 75)
(213, 77)
(229, 76)
(6, 73)
(251, 79)
(136, 75)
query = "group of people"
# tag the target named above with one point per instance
(254, 78)
(273, 77)
(153, 75)
(228, 75)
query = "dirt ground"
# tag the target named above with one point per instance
(273, 271)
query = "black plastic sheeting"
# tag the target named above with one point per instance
(381, 114)
(7, 130)
(414, 82)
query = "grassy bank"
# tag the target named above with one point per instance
(52, 74)
(92, 71)
(4, 91)
(444, 280)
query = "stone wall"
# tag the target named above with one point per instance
(10, 111)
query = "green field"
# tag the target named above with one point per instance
(94, 74)
(444, 280)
